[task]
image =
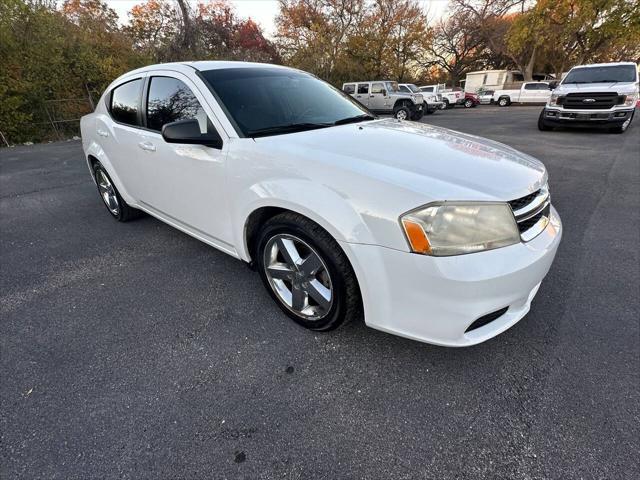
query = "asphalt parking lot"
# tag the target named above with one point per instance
(135, 351)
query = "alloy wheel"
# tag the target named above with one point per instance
(108, 192)
(298, 276)
(401, 115)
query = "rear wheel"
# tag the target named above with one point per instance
(111, 198)
(307, 273)
(468, 103)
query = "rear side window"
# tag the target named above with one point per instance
(170, 100)
(531, 86)
(363, 88)
(124, 102)
(349, 88)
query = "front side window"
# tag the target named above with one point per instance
(271, 101)
(363, 88)
(377, 88)
(124, 102)
(392, 86)
(613, 73)
(530, 86)
(170, 100)
(351, 88)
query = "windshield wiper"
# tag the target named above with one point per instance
(289, 128)
(358, 118)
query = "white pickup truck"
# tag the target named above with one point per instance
(603, 94)
(448, 98)
(529, 93)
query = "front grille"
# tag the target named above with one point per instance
(591, 101)
(532, 213)
(525, 225)
(518, 203)
(484, 320)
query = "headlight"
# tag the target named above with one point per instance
(455, 228)
(631, 100)
(553, 99)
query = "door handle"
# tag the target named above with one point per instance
(102, 133)
(148, 146)
(371, 96)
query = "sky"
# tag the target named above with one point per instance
(263, 12)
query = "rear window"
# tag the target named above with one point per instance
(613, 73)
(351, 88)
(125, 102)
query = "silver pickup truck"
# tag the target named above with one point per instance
(385, 97)
(602, 94)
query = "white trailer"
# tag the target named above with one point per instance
(490, 80)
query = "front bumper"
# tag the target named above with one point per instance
(562, 116)
(436, 299)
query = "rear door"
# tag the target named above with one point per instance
(362, 94)
(119, 134)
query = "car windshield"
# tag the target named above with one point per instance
(393, 86)
(272, 101)
(413, 88)
(613, 73)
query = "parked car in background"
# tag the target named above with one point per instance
(430, 234)
(385, 97)
(431, 102)
(603, 94)
(485, 97)
(490, 79)
(448, 97)
(471, 100)
(528, 93)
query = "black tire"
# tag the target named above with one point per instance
(406, 112)
(469, 103)
(124, 212)
(445, 104)
(430, 111)
(623, 127)
(543, 126)
(346, 303)
(417, 115)
(504, 102)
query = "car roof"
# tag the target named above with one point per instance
(611, 64)
(208, 65)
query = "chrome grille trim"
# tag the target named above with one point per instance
(537, 209)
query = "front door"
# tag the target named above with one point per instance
(183, 184)
(378, 97)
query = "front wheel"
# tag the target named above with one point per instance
(417, 115)
(307, 273)
(402, 113)
(445, 104)
(468, 104)
(624, 126)
(503, 102)
(543, 126)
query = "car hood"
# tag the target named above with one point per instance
(434, 162)
(620, 87)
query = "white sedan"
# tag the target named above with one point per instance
(429, 233)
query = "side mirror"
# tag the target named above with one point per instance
(553, 85)
(188, 131)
